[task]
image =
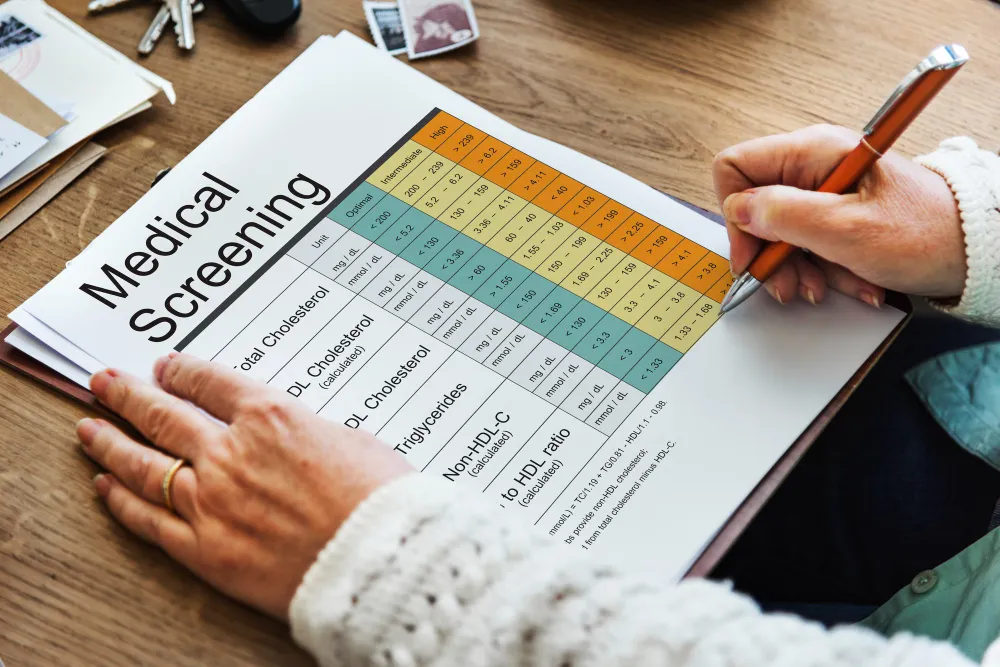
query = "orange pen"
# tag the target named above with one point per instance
(902, 108)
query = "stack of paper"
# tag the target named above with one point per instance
(59, 85)
(507, 314)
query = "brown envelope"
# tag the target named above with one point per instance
(25, 109)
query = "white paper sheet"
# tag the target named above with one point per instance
(71, 65)
(17, 144)
(35, 348)
(690, 448)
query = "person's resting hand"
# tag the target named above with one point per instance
(900, 230)
(265, 491)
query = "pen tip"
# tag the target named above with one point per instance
(740, 291)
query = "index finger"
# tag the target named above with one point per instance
(802, 159)
(165, 420)
(218, 390)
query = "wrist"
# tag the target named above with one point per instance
(973, 177)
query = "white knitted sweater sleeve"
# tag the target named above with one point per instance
(423, 575)
(974, 177)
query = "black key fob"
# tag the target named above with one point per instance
(265, 17)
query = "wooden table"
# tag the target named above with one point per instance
(671, 83)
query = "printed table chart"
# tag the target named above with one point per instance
(463, 292)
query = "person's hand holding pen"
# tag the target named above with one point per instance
(865, 241)
(899, 230)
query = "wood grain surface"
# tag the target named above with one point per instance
(654, 88)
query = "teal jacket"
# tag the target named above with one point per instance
(958, 601)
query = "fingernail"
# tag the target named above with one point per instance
(158, 367)
(100, 380)
(810, 296)
(870, 299)
(102, 484)
(86, 429)
(776, 293)
(736, 208)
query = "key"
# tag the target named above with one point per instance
(101, 5)
(156, 28)
(183, 23)
(154, 31)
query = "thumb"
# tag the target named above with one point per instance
(819, 221)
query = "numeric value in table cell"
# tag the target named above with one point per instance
(523, 299)
(501, 283)
(580, 320)
(316, 241)
(631, 232)
(444, 193)
(565, 259)
(489, 152)
(558, 193)
(494, 217)
(681, 258)
(551, 310)
(356, 204)
(521, 227)
(671, 306)
(652, 367)
(398, 165)
(437, 130)
(706, 272)
(452, 257)
(463, 323)
(652, 249)
(693, 324)
(534, 179)
(592, 269)
(643, 296)
(721, 287)
(416, 184)
(478, 270)
(582, 206)
(428, 244)
(461, 143)
(510, 168)
(404, 230)
(380, 217)
(601, 338)
(615, 408)
(470, 204)
(624, 354)
(617, 283)
(606, 219)
(544, 242)
(566, 376)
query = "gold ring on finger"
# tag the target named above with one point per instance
(168, 481)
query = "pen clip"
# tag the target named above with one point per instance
(946, 57)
